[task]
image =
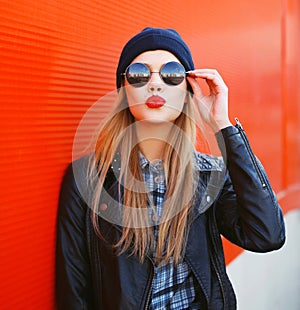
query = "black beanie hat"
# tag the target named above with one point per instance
(150, 39)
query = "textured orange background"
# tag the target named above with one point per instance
(58, 57)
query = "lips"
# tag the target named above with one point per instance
(155, 102)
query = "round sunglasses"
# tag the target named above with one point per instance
(138, 74)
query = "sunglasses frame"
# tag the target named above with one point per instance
(141, 84)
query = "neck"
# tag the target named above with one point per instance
(152, 138)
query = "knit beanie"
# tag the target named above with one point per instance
(150, 39)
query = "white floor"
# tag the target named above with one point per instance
(270, 281)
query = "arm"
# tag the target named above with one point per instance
(73, 278)
(247, 211)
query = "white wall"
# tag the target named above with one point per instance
(270, 281)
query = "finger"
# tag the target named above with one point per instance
(207, 74)
(197, 72)
(215, 83)
(200, 101)
(196, 87)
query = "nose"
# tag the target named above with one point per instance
(155, 84)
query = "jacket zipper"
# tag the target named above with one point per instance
(244, 137)
(220, 282)
(151, 286)
(214, 259)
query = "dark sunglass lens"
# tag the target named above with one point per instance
(172, 73)
(137, 74)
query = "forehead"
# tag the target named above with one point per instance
(156, 57)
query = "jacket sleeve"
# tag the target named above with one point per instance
(73, 278)
(247, 210)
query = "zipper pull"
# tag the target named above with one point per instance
(238, 123)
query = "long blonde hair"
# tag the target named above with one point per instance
(181, 182)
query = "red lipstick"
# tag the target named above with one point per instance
(155, 102)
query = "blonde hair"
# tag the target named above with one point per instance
(181, 181)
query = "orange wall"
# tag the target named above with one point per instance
(58, 57)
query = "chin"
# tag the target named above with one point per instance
(156, 120)
(161, 115)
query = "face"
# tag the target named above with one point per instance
(156, 101)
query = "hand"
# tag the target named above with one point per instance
(213, 108)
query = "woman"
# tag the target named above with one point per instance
(140, 219)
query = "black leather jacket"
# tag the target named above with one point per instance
(243, 208)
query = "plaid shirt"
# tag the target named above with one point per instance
(172, 287)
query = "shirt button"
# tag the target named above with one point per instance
(208, 199)
(155, 218)
(159, 166)
(157, 180)
(103, 206)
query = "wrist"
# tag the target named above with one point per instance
(219, 125)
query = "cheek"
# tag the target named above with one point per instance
(135, 95)
(176, 97)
